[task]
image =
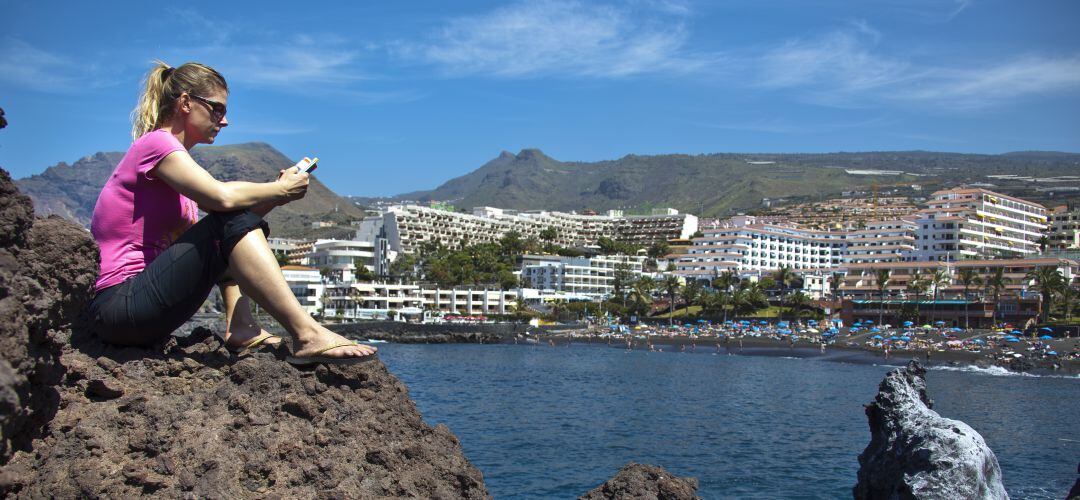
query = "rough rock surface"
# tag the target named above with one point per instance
(640, 481)
(916, 453)
(187, 418)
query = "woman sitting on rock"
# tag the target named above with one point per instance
(158, 264)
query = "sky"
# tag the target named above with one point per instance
(402, 96)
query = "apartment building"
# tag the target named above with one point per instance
(1065, 228)
(306, 285)
(968, 223)
(582, 276)
(340, 257)
(757, 247)
(375, 300)
(881, 241)
(408, 227)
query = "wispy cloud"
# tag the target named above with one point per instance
(978, 88)
(775, 125)
(30, 67)
(845, 68)
(562, 38)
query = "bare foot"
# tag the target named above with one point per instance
(238, 335)
(317, 345)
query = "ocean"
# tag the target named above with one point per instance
(555, 422)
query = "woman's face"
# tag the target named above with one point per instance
(206, 116)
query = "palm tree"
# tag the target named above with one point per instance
(641, 295)
(670, 285)
(995, 284)
(1048, 281)
(1043, 242)
(835, 279)
(1068, 297)
(882, 278)
(798, 301)
(968, 277)
(691, 293)
(939, 279)
(784, 277)
(725, 281)
(918, 284)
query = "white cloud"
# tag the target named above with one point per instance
(560, 38)
(844, 68)
(977, 88)
(27, 66)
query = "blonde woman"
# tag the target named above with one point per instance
(159, 263)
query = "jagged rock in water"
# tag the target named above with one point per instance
(916, 453)
(640, 481)
(187, 418)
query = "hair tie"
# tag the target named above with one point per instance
(167, 73)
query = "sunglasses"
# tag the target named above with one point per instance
(217, 109)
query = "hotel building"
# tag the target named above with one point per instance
(377, 300)
(408, 227)
(975, 223)
(588, 277)
(1065, 228)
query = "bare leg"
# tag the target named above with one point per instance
(254, 267)
(240, 325)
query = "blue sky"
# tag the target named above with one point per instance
(401, 96)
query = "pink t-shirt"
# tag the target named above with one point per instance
(137, 216)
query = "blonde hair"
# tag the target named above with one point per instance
(163, 85)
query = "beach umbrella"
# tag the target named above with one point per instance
(979, 341)
(875, 329)
(905, 338)
(957, 329)
(1017, 332)
(812, 322)
(939, 322)
(701, 321)
(1051, 353)
(908, 323)
(869, 321)
(927, 327)
(687, 325)
(782, 323)
(1046, 337)
(834, 330)
(878, 337)
(763, 322)
(1012, 339)
(812, 330)
(894, 337)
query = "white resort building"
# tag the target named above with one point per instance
(975, 223)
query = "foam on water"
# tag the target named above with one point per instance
(996, 371)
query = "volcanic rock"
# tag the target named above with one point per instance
(645, 482)
(186, 417)
(916, 453)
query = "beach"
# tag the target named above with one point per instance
(931, 346)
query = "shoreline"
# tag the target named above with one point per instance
(766, 347)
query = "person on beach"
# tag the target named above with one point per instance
(159, 262)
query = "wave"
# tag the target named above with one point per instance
(996, 371)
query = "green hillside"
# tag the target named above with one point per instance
(719, 184)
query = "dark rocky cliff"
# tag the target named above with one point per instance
(916, 453)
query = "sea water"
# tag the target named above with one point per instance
(555, 422)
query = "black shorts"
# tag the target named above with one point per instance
(150, 305)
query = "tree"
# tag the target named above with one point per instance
(726, 281)
(1043, 242)
(938, 280)
(784, 277)
(882, 277)
(918, 284)
(1068, 296)
(968, 277)
(549, 234)
(641, 295)
(797, 301)
(671, 287)
(658, 249)
(1047, 281)
(691, 293)
(995, 284)
(621, 279)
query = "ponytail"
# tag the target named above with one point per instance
(163, 85)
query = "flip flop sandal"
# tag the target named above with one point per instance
(260, 340)
(319, 358)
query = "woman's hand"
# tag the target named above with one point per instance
(294, 183)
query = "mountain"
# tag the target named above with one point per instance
(71, 191)
(718, 184)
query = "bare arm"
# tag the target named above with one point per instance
(180, 172)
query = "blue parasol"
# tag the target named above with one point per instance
(908, 323)
(878, 337)
(1046, 337)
